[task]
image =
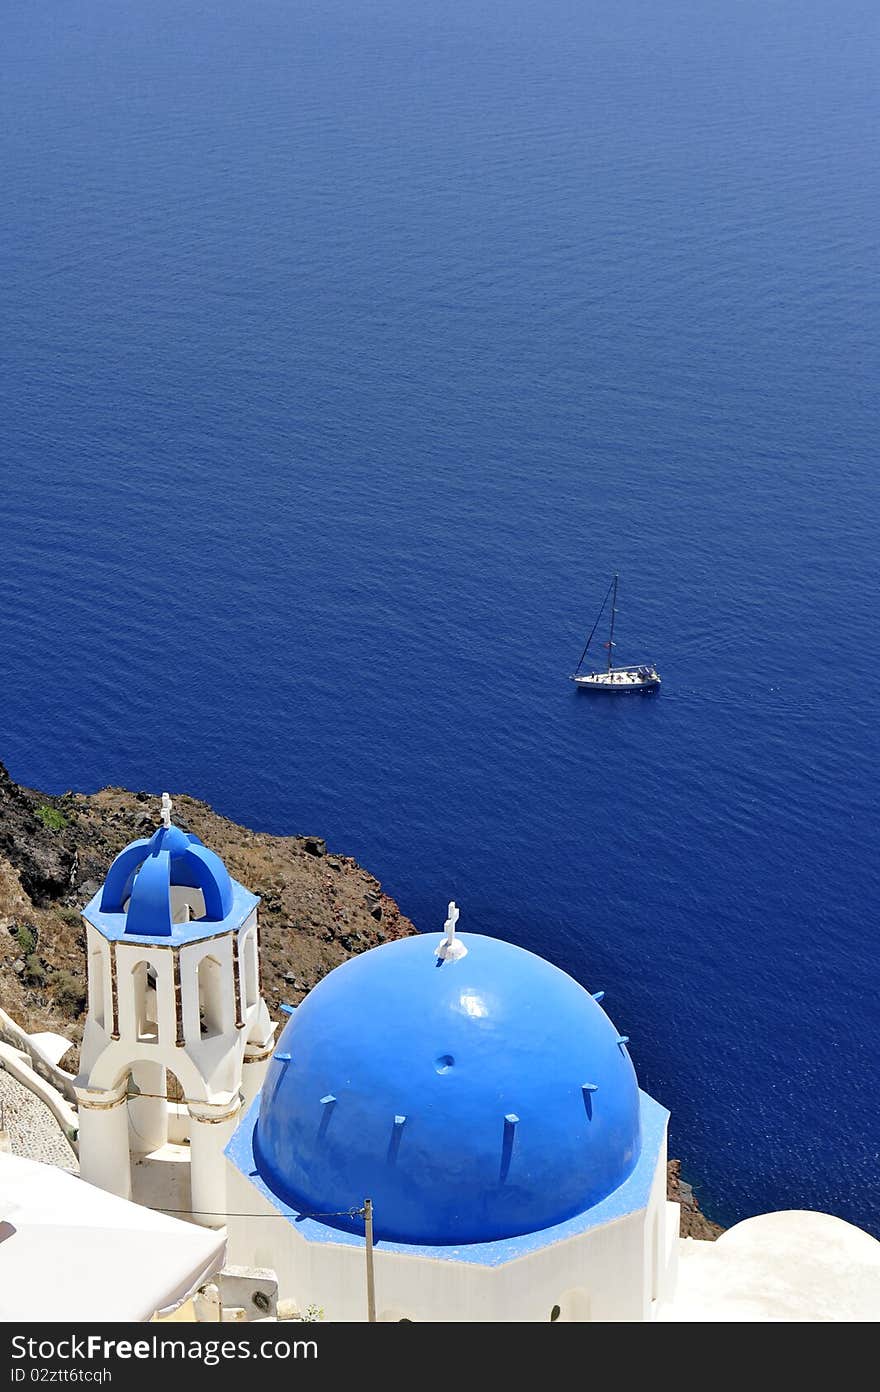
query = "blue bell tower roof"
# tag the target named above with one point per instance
(473, 1096)
(136, 900)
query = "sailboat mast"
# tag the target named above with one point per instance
(611, 633)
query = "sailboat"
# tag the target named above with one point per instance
(643, 677)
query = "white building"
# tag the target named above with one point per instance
(478, 1096)
(174, 988)
(70, 1252)
(486, 1105)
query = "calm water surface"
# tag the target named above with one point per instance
(349, 347)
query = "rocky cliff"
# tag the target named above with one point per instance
(317, 908)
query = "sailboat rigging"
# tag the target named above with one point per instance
(641, 677)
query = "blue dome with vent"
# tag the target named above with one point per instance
(471, 1099)
(138, 899)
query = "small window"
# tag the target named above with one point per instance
(146, 1011)
(251, 969)
(97, 986)
(211, 1020)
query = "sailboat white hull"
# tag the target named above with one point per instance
(619, 680)
(642, 676)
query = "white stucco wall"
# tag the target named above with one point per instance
(613, 1272)
(787, 1267)
(215, 1045)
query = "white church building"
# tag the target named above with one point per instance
(476, 1095)
(174, 988)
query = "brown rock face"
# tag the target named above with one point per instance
(317, 909)
(43, 860)
(694, 1222)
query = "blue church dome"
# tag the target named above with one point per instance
(471, 1098)
(142, 876)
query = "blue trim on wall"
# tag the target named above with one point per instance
(631, 1197)
(112, 925)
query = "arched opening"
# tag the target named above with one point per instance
(251, 973)
(158, 1131)
(144, 986)
(187, 904)
(211, 1003)
(97, 986)
(136, 1124)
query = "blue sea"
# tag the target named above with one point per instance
(349, 347)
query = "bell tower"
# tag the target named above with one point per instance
(174, 989)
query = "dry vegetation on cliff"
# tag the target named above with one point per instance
(317, 909)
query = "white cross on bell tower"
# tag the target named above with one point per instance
(166, 810)
(451, 948)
